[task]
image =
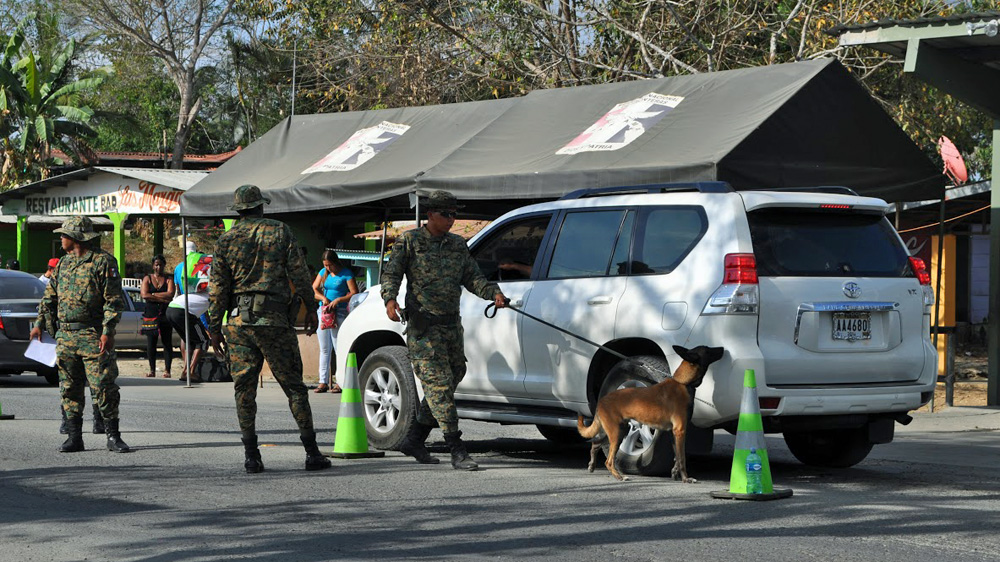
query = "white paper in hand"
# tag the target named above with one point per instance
(43, 351)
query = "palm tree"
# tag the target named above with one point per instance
(42, 111)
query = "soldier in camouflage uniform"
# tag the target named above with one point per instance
(437, 264)
(251, 269)
(81, 307)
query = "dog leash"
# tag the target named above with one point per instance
(491, 312)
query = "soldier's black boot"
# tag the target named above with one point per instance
(253, 463)
(64, 426)
(460, 459)
(73, 443)
(115, 442)
(314, 459)
(98, 422)
(413, 445)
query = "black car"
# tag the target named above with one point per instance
(20, 293)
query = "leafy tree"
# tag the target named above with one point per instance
(362, 54)
(136, 104)
(178, 33)
(41, 104)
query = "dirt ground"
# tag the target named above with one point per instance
(133, 363)
(971, 369)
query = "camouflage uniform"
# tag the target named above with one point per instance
(258, 256)
(436, 269)
(82, 302)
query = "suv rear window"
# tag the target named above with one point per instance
(21, 288)
(803, 243)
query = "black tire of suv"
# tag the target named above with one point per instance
(833, 448)
(657, 459)
(396, 360)
(51, 376)
(561, 435)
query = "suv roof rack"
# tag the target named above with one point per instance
(839, 189)
(699, 186)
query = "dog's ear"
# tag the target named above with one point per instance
(686, 354)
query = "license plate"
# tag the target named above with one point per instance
(852, 326)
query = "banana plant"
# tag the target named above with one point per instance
(42, 111)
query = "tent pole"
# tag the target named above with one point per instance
(187, 325)
(937, 287)
(385, 234)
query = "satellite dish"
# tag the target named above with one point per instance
(954, 165)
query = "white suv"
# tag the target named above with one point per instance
(813, 289)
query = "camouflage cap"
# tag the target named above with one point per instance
(80, 229)
(441, 199)
(247, 197)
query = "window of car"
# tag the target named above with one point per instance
(509, 251)
(802, 243)
(664, 236)
(18, 287)
(131, 298)
(614, 242)
(585, 244)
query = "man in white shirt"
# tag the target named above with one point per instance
(47, 276)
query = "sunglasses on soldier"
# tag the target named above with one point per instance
(447, 214)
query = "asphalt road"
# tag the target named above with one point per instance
(183, 496)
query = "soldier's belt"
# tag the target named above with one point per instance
(74, 326)
(442, 320)
(260, 302)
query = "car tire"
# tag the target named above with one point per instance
(388, 396)
(51, 376)
(832, 448)
(561, 435)
(644, 451)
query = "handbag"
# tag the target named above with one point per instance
(327, 320)
(211, 369)
(149, 326)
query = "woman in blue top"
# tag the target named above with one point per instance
(334, 286)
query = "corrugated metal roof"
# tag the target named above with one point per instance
(177, 179)
(916, 22)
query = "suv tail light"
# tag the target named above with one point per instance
(2, 329)
(738, 293)
(924, 276)
(920, 270)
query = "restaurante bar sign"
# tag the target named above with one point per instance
(140, 198)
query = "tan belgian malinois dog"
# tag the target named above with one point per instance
(663, 406)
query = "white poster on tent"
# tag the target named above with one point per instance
(625, 122)
(363, 145)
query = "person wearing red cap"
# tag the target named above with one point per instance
(47, 276)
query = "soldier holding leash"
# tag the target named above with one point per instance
(251, 269)
(437, 264)
(81, 307)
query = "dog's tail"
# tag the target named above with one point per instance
(588, 432)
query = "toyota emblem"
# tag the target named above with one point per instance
(852, 290)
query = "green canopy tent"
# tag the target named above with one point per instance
(791, 125)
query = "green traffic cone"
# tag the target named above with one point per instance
(351, 441)
(750, 436)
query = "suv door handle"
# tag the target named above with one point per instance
(516, 302)
(599, 300)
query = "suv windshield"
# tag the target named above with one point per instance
(21, 288)
(797, 242)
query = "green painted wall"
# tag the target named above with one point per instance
(37, 248)
(8, 244)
